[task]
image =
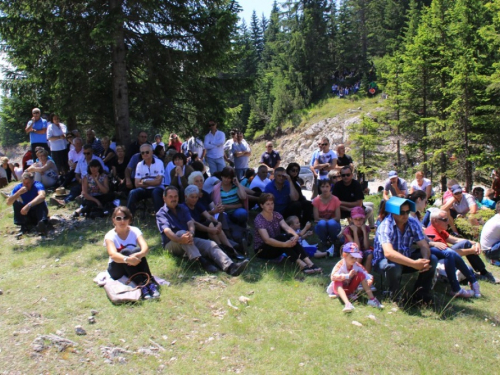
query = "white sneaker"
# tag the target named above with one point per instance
(475, 288)
(348, 308)
(330, 251)
(375, 303)
(463, 293)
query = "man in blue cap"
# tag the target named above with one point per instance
(394, 253)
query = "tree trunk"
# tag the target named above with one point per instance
(119, 69)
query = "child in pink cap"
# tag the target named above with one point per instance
(358, 233)
(347, 275)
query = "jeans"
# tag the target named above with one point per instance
(139, 194)
(239, 216)
(34, 216)
(240, 173)
(494, 252)
(393, 272)
(474, 260)
(215, 165)
(74, 192)
(452, 262)
(327, 229)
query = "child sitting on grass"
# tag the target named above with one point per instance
(294, 223)
(359, 233)
(347, 275)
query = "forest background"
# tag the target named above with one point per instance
(163, 66)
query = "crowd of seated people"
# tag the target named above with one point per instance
(205, 216)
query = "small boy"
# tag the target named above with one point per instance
(347, 275)
(294, 223)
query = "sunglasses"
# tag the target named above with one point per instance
(444, 219)
(87, 153)
(345, 174)
(121, 218)
(457, 193)
(144, 152)
(209, 125)
(404, 213)
(324, 144)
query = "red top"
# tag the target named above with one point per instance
(438, 236)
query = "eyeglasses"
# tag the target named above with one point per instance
(445, 219)
(121, 218)
(404, 213)
(144, 152)
(345, 174)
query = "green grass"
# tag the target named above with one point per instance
(289, 325)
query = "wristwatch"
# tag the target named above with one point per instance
(125, 260)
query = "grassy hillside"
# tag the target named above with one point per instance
(289, 325)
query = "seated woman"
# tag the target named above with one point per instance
(180, 173)
(107, 155)
(204, 198)
(232, 195)
(326, 215)
(271, 243)
(45, 169)
(9, 169)
(127, 252)
(95, 189)
(118, 170)
(207, 226)
(421, 183)
(293, 170)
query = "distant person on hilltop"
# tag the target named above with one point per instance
(37, 129)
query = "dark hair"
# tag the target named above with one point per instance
(292, 165)
(227, 172)
(346, 167)
(157, 150)
(126, 213)
(477, 189)
(180, 155)
(265, 197)
(198, 166)
(87, 146)
(95, 163)
(52, 115)
(279, 169)
(250, 172)
(170, 187)
(324, 182)
(417, 194)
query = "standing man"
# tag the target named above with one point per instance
(194, 145)
(135, 147)
(394, 255)
(228, 148)
(177, 232)
(343, 159)
(271, 159)
(241, 153)
(92, 140)
(214, 144)
(148, 180)
(28, 201)
(350, 194)
(37, 129)
(326, 160)
(315, 171)
(395, 185)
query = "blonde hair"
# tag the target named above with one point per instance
(4, 159)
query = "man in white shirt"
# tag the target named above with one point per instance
(241, 154)
(214, 144)
(148, 180)
(490, 238)
(260, 180)
(194, 145)
(228, 148)
(326, 159)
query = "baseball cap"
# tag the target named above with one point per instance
(456, 189)
(392, 174)
(357, 212)
(352, 248)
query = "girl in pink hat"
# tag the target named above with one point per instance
(358, 233)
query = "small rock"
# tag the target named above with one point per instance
(244, 300)
(91, 320)
(1, 292)
(356, 323)
(394, 309)
(57, 259)
(94, 312)
(372, 317)
(80, 331)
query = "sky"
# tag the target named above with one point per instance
(260, 6)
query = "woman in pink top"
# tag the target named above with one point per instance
(326, 208)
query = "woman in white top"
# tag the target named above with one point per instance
(56, 138)
(45, 169)
(421, 183)
(127, 252)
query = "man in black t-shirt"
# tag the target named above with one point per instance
(350, 194)
(343, 159)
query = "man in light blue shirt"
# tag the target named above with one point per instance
(37, 129)
(214, 144)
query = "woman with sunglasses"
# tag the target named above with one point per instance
(127, 252)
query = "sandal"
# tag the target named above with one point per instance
(315, 268)
(308, 271)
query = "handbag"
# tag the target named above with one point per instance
(120, 292)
